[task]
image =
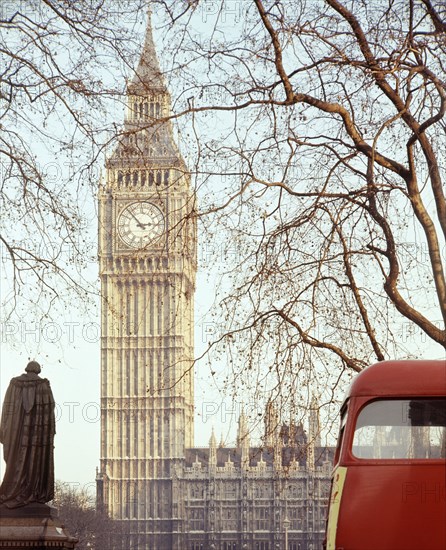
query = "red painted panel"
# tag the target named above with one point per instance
(399, 378)
(393, 508)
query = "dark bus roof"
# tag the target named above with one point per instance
(401, 378)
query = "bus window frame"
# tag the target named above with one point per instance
(341, 435)
(355, 406)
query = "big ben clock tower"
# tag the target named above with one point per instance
(147, 255)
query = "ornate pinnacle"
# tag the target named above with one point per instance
(148, 75)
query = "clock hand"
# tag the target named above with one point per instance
(138, 223)
(147, 224)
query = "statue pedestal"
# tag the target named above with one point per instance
(35, 527)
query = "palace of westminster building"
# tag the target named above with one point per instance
(161, 491)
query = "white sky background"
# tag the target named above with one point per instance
(67, 346)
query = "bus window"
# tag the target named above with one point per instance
(401, 429)
(340, 436)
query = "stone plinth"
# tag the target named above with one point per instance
(35, 527)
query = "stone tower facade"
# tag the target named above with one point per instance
(161, 491)
(147, 257)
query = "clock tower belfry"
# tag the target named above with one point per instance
(147, 258)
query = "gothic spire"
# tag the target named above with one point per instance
(314, 433)
(212, 440)
(271, 424)
(213, 449)
(148, 75)
(243, 431)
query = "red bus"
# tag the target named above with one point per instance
(389, 476)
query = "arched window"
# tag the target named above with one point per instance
(127, 178)
(151, 177)
(135, 178)
(143, 178)
(158, 109)
(158, 177)
(166, 177)
(120, 177)
(151, 110)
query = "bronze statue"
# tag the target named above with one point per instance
(27, 431)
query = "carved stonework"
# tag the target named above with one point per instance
(34, 532)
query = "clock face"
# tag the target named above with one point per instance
(140, 223)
